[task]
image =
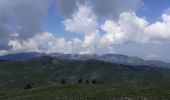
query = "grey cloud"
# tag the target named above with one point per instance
(21, 16)
(66, 7)
(103, 8)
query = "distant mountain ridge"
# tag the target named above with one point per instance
(21, 56)
(113, 58)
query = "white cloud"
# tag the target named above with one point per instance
(23, 46)
(83, 21)
(3, 52)
(132, 29)
(48, 43)
(45, 43)
(159, 31)
(113, 33)
(128, 29)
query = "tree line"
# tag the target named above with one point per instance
(63, 81)
(80, 81)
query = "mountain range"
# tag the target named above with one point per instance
(113, 58)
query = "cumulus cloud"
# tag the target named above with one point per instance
(132, 29)
(46, 43)
(159, 31)
(83, 21)
(128, 28)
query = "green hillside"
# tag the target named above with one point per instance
(44, 77)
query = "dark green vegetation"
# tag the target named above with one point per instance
(90, 92)
(47, 78)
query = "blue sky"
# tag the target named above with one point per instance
(153, 9)
(134, 27)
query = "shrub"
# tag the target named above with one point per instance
(63, 81)
(94, 81)
(28, 86)
(80, 81)
(87, 82)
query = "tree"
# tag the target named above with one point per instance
(63, 81)
(87, 82)
(94, 81)
(80, 81)
(28, 86)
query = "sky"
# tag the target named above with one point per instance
(130, 27)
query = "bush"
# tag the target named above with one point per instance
(94, 81)
(87, 82)
(80, 81)
(28, 86)
(63, 81)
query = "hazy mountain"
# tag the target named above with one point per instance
(132, 61)
(113, 58)
(21, 56)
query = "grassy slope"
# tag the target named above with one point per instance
(90, 92)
